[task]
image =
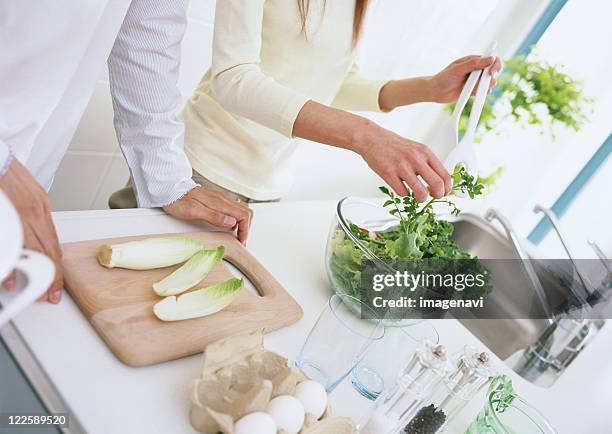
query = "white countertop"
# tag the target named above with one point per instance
(289, 239)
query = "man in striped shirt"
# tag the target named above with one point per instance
(51, 58)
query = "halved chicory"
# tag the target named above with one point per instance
(149, 253)
(199, 303)
(190, 273)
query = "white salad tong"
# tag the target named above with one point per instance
(447, 139)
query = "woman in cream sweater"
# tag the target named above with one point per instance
(284, 69)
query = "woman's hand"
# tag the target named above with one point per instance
(400, 162)
(446, 85)
(215, 208)
(395, 159)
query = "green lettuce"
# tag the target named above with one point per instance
(420, 234)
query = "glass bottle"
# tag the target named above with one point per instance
(427, 367)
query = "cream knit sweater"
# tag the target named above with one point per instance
(240, 119)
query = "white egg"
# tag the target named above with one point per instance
(313, 397)
(255, 423)
(288, 413)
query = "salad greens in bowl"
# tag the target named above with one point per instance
(395, 229)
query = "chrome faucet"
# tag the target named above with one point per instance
(552, 218)
(493, 214)
(607, 281)
(565, 336)
(603, 293)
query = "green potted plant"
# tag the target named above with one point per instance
(532, 92)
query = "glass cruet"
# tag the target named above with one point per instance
(473, 371)
(429, 365)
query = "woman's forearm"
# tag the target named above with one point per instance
(394, 158)
(443, 87)
(334, 127)
(397, 93)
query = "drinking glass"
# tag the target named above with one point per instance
(379, 368)
(338, 341)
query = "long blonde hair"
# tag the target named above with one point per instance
(361, 7)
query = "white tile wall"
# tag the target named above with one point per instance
(93, 134)
(83, 179)
(324, 172)
(114, 178)
(78, 180)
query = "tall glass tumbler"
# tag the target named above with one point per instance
(338, 341)
(379, 368)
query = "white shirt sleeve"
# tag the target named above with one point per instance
(6, 156)
(237, 81)
(143, 72)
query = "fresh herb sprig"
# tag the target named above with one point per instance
(420, 233)
(408, 208)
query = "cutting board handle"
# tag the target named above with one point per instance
(266, 284)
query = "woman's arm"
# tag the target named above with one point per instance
(362, 94)
(240, 86)
(443, 87)
(359, 93)
(396, 159)
(393, 157)
(237, 81)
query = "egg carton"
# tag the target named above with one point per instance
(239, 376)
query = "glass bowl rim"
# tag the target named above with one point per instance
(347, 230)
(371, 255)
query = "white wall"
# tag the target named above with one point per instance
(405, 37)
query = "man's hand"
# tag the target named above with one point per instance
(447, 84)
(32, 204)
(215, 208)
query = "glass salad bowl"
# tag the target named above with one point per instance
(399, 237)
(345, 251)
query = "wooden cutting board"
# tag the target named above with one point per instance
(119, 303)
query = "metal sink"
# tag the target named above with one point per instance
(513, 292)
(522, 334)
